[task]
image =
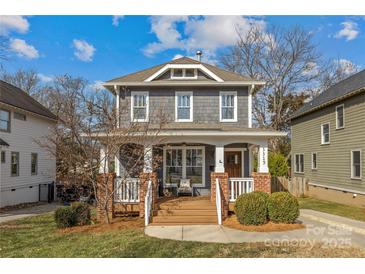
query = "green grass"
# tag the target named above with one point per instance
(352, 212)
(39, 237)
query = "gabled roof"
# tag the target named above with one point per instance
(142, 75)
(14, 96)
(348, 87)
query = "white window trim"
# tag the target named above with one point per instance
(133, 93)
(314, 168)
(221, 93)
(343, 116)
(329, 134)
(295, 163)
(183, 77)
(183, 148)
(352, 170)
(177, 94)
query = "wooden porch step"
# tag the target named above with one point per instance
(184, 219)
(187, 212)
(186, 206)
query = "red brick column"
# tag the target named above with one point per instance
(223, 181)
(262, 181)
(104, 188)
(143, 180)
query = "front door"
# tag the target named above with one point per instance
(233, 163)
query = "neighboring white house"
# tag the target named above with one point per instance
(27, 169)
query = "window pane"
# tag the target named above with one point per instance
(340, 116)
(14, 163)
(178, 72)
(189, 73)
(356, 157)
(139, 113)
(173, 175)
(4, 125)
(227, 113)
(183, 113)
(34, 161)
(4, 115)
(195, 174)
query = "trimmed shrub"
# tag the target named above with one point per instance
(65, 217)
(278, 165)
(283, 208)
(251, 208)
(82, 213)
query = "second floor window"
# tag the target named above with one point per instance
(140, 106)
(4, 120)
(340, 123)
(228, 106)
(325, 131)
(184, 106)
(14, 167)
(34, 164)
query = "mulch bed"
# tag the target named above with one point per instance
(116, 224)
(232, 222)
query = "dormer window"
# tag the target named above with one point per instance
(184, 73)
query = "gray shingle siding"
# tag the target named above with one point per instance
(205, 104)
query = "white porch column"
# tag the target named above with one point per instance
(250, 160)
(117, 103)
(219, 158)
(117, 164)
(263, 158)
(147, 167)
(104, 167)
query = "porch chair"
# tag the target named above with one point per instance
(185, 187)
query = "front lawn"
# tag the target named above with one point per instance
(39, 237)
(353, 212)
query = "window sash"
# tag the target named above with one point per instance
(184, 106)
(356, 164)
(299, 163)
(314, 160)
(228, 106)
(4, 120)
(34, 164)
(139, 106)
(3, 157)
(14, 165)
(340, 110)
(325, 133)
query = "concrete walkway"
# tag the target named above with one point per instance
(323, 228)
(27, 212)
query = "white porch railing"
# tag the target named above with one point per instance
(126, 190)
(238, 186)
(148, 204)
(218, 201)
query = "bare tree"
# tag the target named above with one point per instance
(26, 80)
(87, 122)
(285, 60)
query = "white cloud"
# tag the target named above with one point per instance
(45, 78)
(347, 66)
(349, 31)
(97, 85)
(116, 20)
(177, 56)
(208, 33)
(311, 69)
(83, 50)
(22, 49)
(13, 23)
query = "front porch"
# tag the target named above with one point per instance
(221, 163)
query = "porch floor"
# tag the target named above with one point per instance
(185, 210)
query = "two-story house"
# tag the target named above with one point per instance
(328, 142)
(208, 134)
(27, 169)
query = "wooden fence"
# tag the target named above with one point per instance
(297, 186)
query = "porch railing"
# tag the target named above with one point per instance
(148, 204)
(126, 190)
(218, 201)
(238, 186)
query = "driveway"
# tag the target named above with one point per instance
(28, 212)
(321, 228)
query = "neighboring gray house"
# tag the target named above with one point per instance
(208, 128)
(328, 142)
(27, 170)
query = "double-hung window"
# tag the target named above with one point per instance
(299, 163)
(228, 106)
(34, 164)
(314, 160)
(184, 106)
(340, 116)
(14, 165)
(325, 134)
(4, 120)
(356, 164)
(139, 106)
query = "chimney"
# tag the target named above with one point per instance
(199, 54)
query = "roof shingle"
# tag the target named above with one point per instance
(14, 96)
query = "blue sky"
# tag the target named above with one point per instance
(100, 48)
